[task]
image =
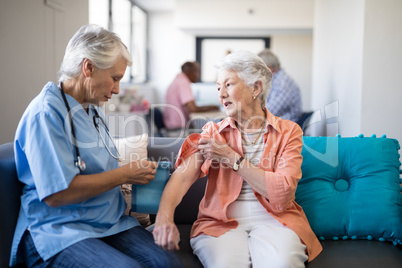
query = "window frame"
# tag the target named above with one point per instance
(199, 40)
(111, 27)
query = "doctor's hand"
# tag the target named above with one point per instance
(140, 172)
(166, 234)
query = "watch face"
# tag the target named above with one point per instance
(235, 167)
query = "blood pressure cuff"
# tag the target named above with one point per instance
(146, 198)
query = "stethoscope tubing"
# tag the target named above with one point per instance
(80, 162)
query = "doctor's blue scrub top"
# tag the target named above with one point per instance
(45, 158)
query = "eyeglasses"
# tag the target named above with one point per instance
(97, 117)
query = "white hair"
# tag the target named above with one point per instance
(250, 68)
(92, 42)
(270, 59)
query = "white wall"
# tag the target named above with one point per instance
(356, 67)
(337, 66)
(247, 15)
(381, 107)
(295, 54)
(33, 40)
(169, 48)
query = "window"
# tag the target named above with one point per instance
(139, 45)
(130, 22)
(208, 49)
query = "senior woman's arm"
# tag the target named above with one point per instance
(84, 187)
(165, 232)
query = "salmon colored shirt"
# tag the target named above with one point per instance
(281, 159)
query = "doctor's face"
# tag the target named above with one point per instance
(105, 82)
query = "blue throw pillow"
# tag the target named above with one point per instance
(350, 188)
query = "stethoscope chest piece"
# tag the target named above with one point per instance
(80, 164)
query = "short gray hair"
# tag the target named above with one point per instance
(250, 68)
(92, 42)
(270, 59)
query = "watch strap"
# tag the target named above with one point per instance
(238, 162)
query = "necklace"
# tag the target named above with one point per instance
(246, 139)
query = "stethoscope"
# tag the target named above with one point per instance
(80, 162)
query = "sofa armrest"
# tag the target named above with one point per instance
(10, 193)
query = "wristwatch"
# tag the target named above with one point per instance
(237, 164)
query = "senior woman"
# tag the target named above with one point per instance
(248, 215)
(72, 208)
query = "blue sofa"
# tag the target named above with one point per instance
(376, 244)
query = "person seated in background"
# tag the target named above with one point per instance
(72, 213)
(248, 216)
(180, 101)
(284, 99)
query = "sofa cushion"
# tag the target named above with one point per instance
(350, 188)
(132, 148)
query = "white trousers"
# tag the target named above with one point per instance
(259, 241)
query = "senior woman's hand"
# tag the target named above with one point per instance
(217, 151)
(166, 234)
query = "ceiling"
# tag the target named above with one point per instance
(162, 5)
(156, 5)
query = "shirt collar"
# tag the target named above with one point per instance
(184, 76)
(271, 121)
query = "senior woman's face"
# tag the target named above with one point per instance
(105, 82)
(234, 94)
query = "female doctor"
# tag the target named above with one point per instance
(72, 209)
